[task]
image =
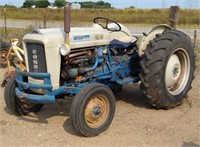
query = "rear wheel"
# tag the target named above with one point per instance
(167, 69)
(93, 109)
(14, 104)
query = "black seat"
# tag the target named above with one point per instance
(123, 43)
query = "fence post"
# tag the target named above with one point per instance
(195, 37)
(173, 16)
(5, 24)
(45, 21)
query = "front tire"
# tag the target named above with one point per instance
(167, 69)
(93, 109)
(14, 104)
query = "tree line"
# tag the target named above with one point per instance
(42, 3)
(61, 3)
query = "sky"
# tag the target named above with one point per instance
(127, 3)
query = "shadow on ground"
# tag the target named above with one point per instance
(190, 144)
(60, 108)
(133, 95)
(69, 128)
(130, 94)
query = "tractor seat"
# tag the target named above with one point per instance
(125, 42)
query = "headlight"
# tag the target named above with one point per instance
(64, 49)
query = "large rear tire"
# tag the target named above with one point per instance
(14, 104)
(167, 69)
(93, 109)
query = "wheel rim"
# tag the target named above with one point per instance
(96, 112)
(177, 71)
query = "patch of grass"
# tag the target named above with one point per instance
(14, 33)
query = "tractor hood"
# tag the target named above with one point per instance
(44, 44)
(79, 37)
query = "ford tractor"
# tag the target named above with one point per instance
(92, 63)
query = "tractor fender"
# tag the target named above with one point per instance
(150, 35)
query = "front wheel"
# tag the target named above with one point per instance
(14, 104)
(93, 109)
(167, 69)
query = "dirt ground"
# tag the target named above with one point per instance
(135, 124)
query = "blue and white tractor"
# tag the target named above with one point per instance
(93, 63)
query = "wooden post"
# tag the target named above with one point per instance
(45, 21)
(195, 37)
(173, 16)
(6, 32)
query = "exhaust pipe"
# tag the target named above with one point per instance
(67, 22)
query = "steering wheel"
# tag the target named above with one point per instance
(107, 21)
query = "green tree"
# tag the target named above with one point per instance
(59, 3)
(42, 3)
(131, 7)
(102, 4)
(88, 4)
(99, 4)
(28, 3)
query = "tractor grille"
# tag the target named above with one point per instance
(36, 57)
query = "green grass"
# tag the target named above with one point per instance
(125, 16)
(14, 33)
